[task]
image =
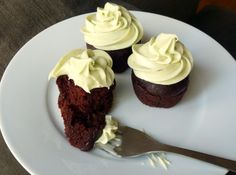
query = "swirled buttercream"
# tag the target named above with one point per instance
(162, 60)
(87, 68)
(109, 130)
(112, 28)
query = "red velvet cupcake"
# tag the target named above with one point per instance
(85, 81)
(161, 69)
(113, 29)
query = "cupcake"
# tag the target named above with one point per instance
(114, 30)
(160, 70)
(85, 81)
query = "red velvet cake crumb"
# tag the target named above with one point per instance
(83, 113)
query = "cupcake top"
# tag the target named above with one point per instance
(162, 60)
(112, 28)
(88, 69)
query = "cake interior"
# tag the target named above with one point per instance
(83, 113)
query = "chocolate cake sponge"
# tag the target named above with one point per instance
(99, 99)
(83, 113)
(119, 58)
(82, 130)
(159, 95)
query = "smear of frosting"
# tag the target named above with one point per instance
(108, 131)
(162, 60)
(88, 69)
(112, 28)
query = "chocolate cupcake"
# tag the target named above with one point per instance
(161, 69)
(85, 81)
(114, 30)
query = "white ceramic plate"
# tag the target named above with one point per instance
(204, 120)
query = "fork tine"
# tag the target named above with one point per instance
(116, 141)
(107, 148)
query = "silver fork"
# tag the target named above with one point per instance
(137, 143)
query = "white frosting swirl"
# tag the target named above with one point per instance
(88, 69)
(163, 60)
(112, 28)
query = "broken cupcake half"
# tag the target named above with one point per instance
(86, 81)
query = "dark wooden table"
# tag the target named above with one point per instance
(20, 20)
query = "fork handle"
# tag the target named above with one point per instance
(226, 163)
